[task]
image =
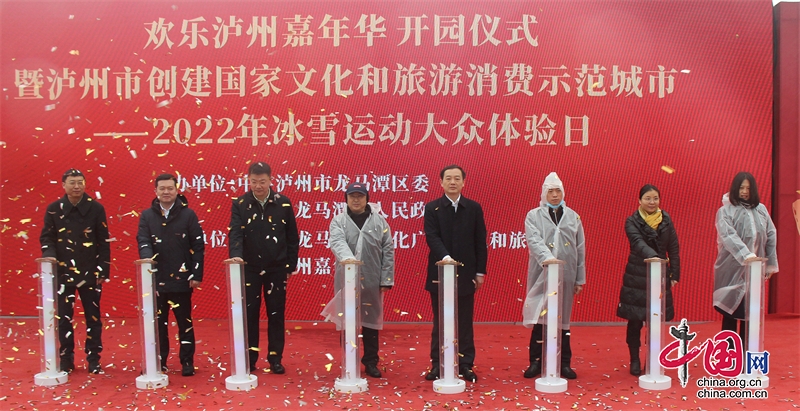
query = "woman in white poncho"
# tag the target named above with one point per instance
(363, 234)
(745, 232)
(554, 232)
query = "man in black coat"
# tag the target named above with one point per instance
(75, 237)
(170, 235)
(455, 230)
(263, 234)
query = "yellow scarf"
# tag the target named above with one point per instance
(653, 220)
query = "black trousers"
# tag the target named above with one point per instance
(90, 298)
(729, 322)
(633, 334)
(272, 289)
(535, 351)
(181, 306)
(369, 338)
(466, 335)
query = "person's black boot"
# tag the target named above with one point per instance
(636, 365)
(534, 370)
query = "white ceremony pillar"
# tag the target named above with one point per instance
(550, 318)
(351, 380)
(50, 374)
(151, 377)
(448, 382)
(241, 379)
(654, 378)
(755, 278)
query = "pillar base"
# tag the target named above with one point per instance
(655, 382)
(551, 385)
(50, 378)
(354, 385)
(241, 383)
(144, 382)
(449, 387)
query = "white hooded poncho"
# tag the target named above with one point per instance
(741, 233)
(373, 245)
(546, 240)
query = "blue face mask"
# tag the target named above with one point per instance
(554, 207)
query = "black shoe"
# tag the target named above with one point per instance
(94, 367)
(468, 374)
(433, 374)
(277, 368)
(187, 370)
(372, 370)
(534, 370)
(67, 365)
(636, 367)
(568, 373)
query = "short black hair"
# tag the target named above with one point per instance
(451, 167)
(72, 172)
(165, 177)
(733, 195)
(646, 188)
(259, 168)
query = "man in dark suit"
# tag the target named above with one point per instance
(455, 230)
(75, 238)
(264, 236)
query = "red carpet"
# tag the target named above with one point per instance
(600, 359)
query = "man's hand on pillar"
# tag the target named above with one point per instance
(578, 289)
(549, 261)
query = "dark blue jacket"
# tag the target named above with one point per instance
(266, 237)
(175, 243)
(77, 236)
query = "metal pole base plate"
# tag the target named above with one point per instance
(449, 387)
(49, 379)
(655, 382)
(241, 383)
(551, 385)
(144, 382)
(355, 385)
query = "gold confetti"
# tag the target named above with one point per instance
(668, 169)
(75, 52)
(543, 312)
(328, 367)
(25, 221)
(419, 316)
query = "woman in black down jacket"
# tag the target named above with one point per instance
(651, 234)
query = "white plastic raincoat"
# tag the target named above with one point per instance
(546, 240)
(372, 245)
(741, 233)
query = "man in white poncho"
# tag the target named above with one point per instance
(554, 232)
(363, 234)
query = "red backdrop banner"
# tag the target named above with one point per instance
(612, 95)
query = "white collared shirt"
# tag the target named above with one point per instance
(263, 203)
(455, 203)
(165, 211)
